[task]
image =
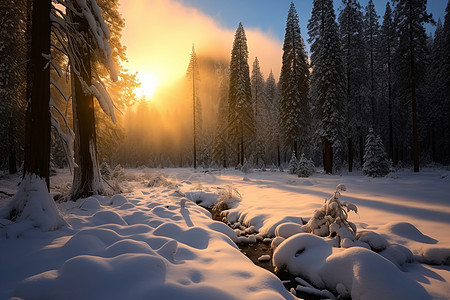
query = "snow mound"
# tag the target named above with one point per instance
(202, 198)
(288, 229)
(32, 206)
(407, 231)
(356, 272)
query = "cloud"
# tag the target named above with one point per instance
(159, 35)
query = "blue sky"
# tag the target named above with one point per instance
(270, 15)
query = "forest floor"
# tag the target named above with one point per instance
(153, 240)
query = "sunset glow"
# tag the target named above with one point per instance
(149, 83)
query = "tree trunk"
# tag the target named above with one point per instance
(86, 179)
(37, 143)
(29, 83)
(328, 157)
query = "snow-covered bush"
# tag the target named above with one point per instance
(331, 220)
(305, 166)
(227, 199)
(293, 162)
(105, 170)
(376, 161)
(118, 173)
(246, 166)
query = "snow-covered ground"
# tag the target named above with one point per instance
(155, 242)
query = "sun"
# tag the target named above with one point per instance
(149, 83)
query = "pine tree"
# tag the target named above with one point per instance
(293, 163)
(432, 114)
(258, 89)
(410, 17)
(273, 127)
(446, 77)
(356, 75)
(220, 146)
(241, 123)
(294, 83)
(193, 74)
(260, 109)
(87, 178)
(371, 30)
(386, 50)
(305, 167)
(327, 80)
(376, 161)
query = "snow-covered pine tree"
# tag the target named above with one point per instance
(273, 127)
(87, 35)
(294, 83)
(410, 17)
(376, 161)
(386, 50)
(327, 90)
(355, 69)
(241, 123)
(446, 63)
(193, 74)
(220, 146)
(371, 31)
(432, 114)
(258, 88)
(293, 163)
(260, 109)
(305, 166)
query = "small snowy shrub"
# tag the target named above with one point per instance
(331, 220)
(293, 163)
(227, 199)
(105, 170)
(118, 173)
(245, 167)
(376, 161)
(305, 167)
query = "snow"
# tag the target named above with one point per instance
(154, 241)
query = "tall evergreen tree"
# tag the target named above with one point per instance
(294, 83)
(386, 50)
(410, 17)
(241, 123)
(371, 30)
(355, 68)
(274, 112)
(327, 80)
(446, 71)
(260, 109)
(433, 124)
(193, 74)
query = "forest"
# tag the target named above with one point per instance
(387, 75)
(215, 187)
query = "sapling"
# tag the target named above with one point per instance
(331, 219)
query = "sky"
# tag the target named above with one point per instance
(159, 34)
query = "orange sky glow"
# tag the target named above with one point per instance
(159, 35)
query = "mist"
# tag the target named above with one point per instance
(159, 36)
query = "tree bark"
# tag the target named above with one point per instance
(37, 144)
(86, 179)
